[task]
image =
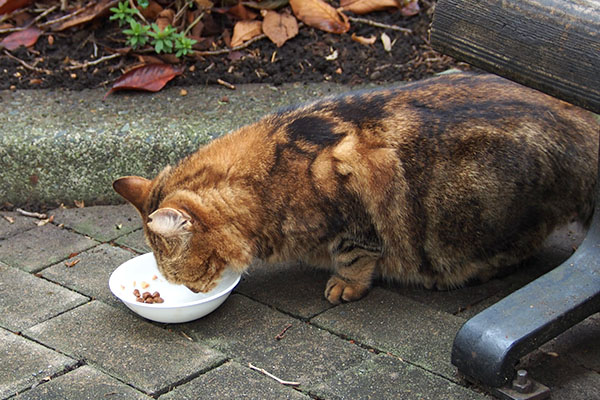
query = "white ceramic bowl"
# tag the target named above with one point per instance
(180, 303)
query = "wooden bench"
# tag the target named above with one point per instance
(552, 46)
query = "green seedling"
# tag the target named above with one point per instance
(137, 36)
(122, 13)
(183, 45)
(162, 40)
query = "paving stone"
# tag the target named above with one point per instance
(26, 300)
(245, 331)
(135, 241)
(579, 345)
(233, 381)
(389, 378)
(43, 246)
(90, 275)
(12, 223)
(83, 383)
(123, 345)
(103, 223)
(293, 288)
(25, 363)
(392, 323)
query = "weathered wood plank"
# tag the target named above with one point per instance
(550, 45)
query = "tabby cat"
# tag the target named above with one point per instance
(434, 183)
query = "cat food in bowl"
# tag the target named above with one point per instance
(139, 284)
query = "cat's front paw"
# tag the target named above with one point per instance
(338, 290)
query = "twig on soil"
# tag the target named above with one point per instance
(63, 18)
(280, 336)
(379, 24)
(226, 84)
(288, 383)
(95, 62)
(31, 214)
(23, 63)
(36, 19)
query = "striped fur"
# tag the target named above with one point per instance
(433, 183)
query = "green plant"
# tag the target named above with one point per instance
(137, 35)
(183, 45)
(122, 13)
(162, 40)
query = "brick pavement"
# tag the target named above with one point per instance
(64, 336)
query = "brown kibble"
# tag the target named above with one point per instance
(139, 299)
(144, 285)
(145, 295)
(159, 300)
(155, 294)
(149, 300)
(136, 293)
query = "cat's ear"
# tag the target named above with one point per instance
(169, 222)
(134, 189)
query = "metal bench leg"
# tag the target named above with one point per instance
(489, 345)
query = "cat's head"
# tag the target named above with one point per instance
(192, 244)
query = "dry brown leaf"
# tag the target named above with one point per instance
(80, 204)
(367, 6)
(244, 31)
(150, 78)
(165, 18)
(7, 6)
(91, 11)
(73, 263)
(204, 4)
(364, 40)
(26, 38)
(320, 15)
(241, 13)
(279, 27)
(151, 12)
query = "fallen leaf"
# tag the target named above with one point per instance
(152, 11)
(70, 264)
(7, 6)
(364, 40)
(279, 27)
(26, 38)
(165, 18)
(244, 31)
(204, 4)
(320, 15)
(367, 6)
(79, 204)
(241, 13)
(151, 78)
(91, 11)
(410, 8)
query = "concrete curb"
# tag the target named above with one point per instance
(59, 146)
